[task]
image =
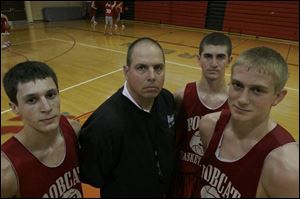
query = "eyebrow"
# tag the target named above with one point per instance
(160, 64)
(35, 94)
(214, 54)
(252, 85)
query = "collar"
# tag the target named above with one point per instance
(126, 93)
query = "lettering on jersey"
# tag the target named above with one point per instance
(193, 123)
(190, 157)
(219, 185)
(62, 188)
(195, 142)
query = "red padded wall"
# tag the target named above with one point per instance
(277, 19)
(182, 13)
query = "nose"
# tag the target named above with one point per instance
(45, 105)
(244, 97)
(152, 75)
(214, 61)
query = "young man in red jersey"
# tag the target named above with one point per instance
(42, 159)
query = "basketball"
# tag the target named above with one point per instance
(5, 27)
(209, 192)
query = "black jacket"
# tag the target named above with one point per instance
(118, 145)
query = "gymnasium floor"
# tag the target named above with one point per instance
(89, 64)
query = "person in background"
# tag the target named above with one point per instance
(5, 28)
(42, 159)
(207, 95)
(247, 154)
(128, 143)
(108, 28)
(94, 8)
(120, 15)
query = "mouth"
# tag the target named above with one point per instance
(240, 109)
(153, 88)
(47, 119)
(213, 71)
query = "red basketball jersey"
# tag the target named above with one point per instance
(221, 179)
(35, 179)
(108, 10)
(189, 145)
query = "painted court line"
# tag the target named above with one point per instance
(111, 50)
(31, 41)
(79, 84)
(122, 52)
(90, 80)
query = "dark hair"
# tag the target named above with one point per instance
(141, 40)
(216, 39)
(25, 72)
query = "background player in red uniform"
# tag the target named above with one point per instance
(42, 159)
(5, 28)
(109, 17)
(207, 95)
(120, 15)
(94, 8)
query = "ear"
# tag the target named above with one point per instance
(125, 70)
(279, 97)
(14, 108)
(230, 59)
(198, 57)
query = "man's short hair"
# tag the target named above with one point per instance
(268, 60)
(138, 41)
(216, 39)
(25, 72)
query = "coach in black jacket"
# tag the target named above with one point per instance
(127, 144)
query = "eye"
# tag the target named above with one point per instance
(51, 94)
(207, 56)
(141, 67)
(158, 68)
(257, 90)
(221, 56)
(236, 85)
(31, 100)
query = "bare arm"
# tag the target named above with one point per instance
(178, 97)
(76, 125)
(207, 126)
(115, 2)
(9, 185)
(4, 16)
(93, 5)
(120, 5)
(280, 174)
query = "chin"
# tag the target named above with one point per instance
(51, 127)
(213, 76)
(240, 117)
(151, 95)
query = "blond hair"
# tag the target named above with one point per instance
(265, 59)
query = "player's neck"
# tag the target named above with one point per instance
(252, 129)
(216, 86)
(34, 140)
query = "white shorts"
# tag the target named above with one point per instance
(109, 20)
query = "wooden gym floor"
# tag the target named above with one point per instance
(89, 64)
